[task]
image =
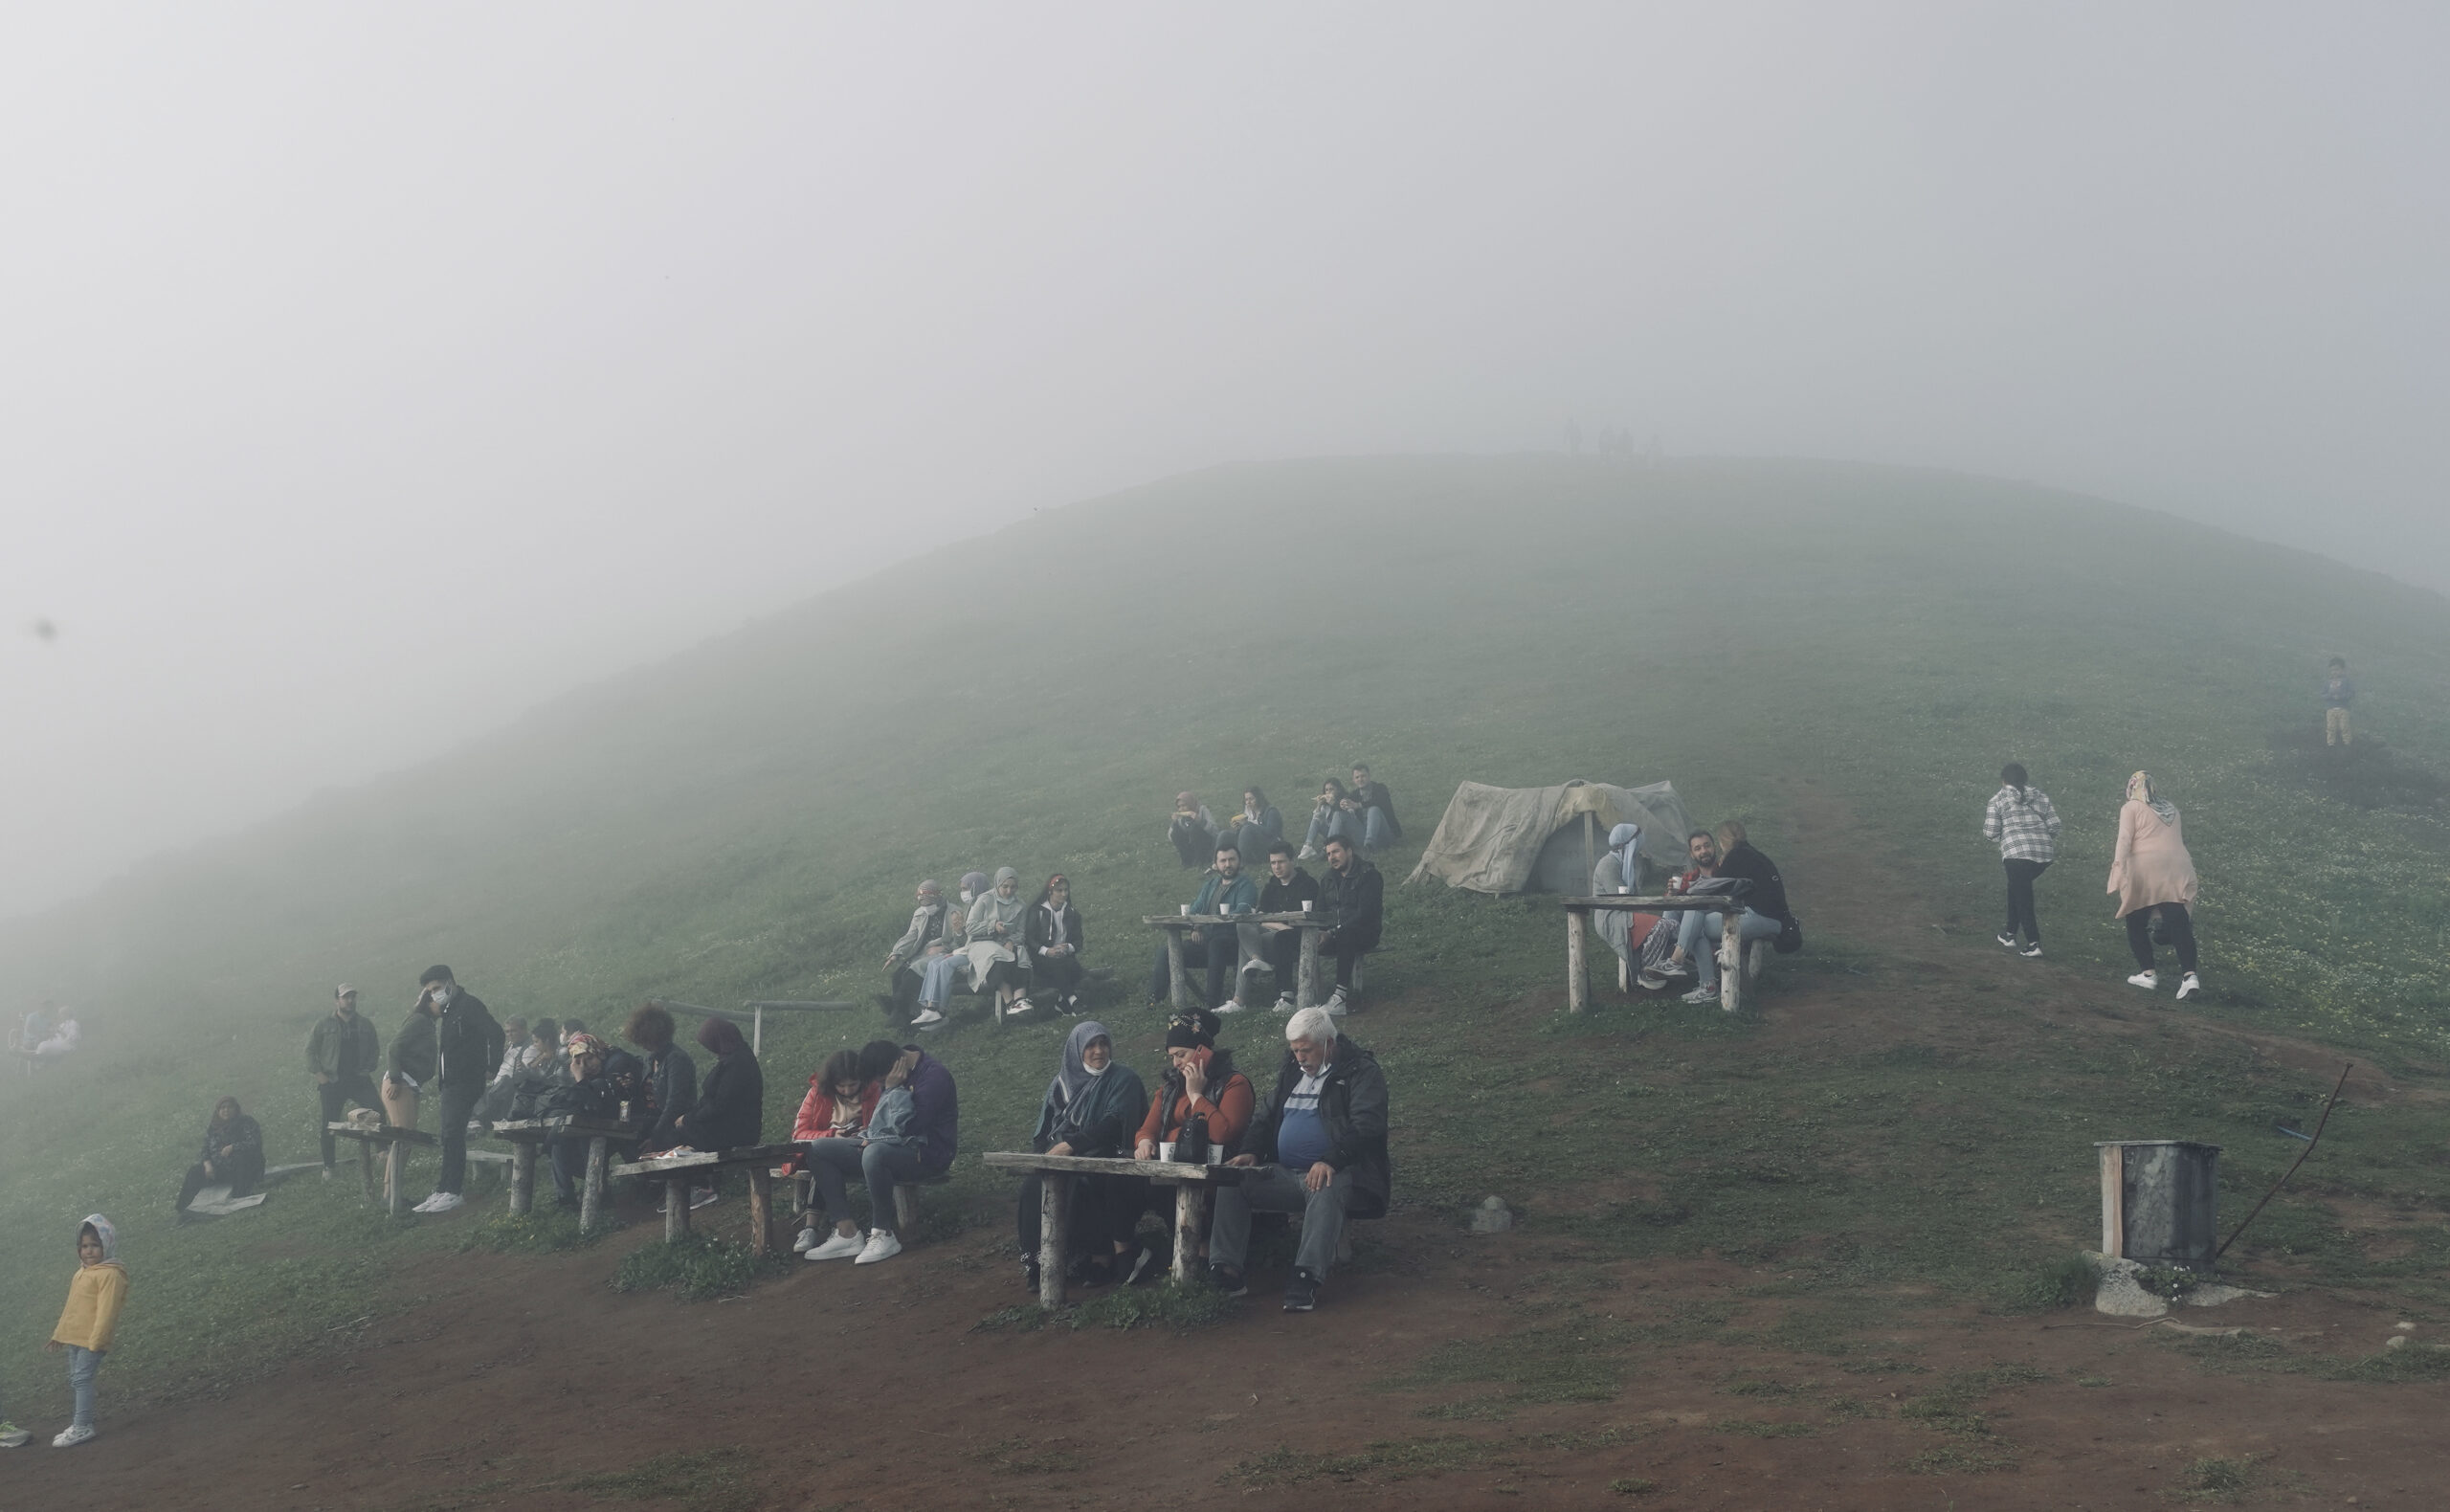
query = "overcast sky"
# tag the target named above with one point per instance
(367, 373)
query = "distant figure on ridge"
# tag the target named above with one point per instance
(233, 1156)
(2021, 819)
(2151, 873)
(1192, 830)
(2338, 693)
(344, 1053)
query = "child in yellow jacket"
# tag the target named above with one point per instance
(95, 1294)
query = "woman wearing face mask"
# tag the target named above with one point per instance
(939, 973)
(996, 929)
(1090, 1109)
(1200, 1082)
(1053, 942)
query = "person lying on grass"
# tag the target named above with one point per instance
(1318, 1147)
(90, 1321)
(838, 1105)
(233, 1156)
(912, 1134)
(1090, 1109)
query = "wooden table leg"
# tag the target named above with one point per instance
(522, 1178)
(1731, 963)
(1177, 977)
(1577, 961)
(394, 1176)
(591, 1195)
(676, 1207)
(1306, 981)
(761, 1210)
(1054, 1220)
(1191, 1208)
(365, 1167)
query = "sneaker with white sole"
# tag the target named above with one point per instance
(2188, 987)
(702, 1197)
(805, 1242)
(1335, 1005)
(2006, 939)
(443, 1202)
(1651, 982)
(1019, 1007)
(2032, 952)
(2148, 980)
(882, 1245)
(1283, 1002)
(838, 1247)
(1232, 1005)
(70, 1436)
(1700, 995)
(11, 1437)
(928, 1018)
(1310, 853)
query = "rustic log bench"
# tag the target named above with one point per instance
(528, 1136)
(1738, 968)
(905, 1192)
(1191, 1184)
(1313, 924)
(677, 1170)
(392, 1139)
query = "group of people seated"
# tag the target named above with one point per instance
(1349, 900)
(1025, 955)
(1662, 948)
(1364, 814)
(46, 1035)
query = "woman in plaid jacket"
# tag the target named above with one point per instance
(2021, 819)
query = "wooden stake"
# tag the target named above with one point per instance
(1577, 963)
(522, 1178)
(1053, 1215)
(676, 1207)
(1178, 976)
(761, 1209)
(1731, 961)
(1190, 1209)
(590, 1197)
(1305, 982)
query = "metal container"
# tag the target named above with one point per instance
(2160, 1201)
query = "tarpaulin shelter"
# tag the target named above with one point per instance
(1547, 840)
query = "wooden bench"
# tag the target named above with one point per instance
(1733, 978)
(528, 1136)
(905, 1193)
(677, 1170)
(1191, 1182)
(392, 1139)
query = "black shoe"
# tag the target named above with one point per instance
(1229, 1280)
(1302, 1293)
(1143, 1265)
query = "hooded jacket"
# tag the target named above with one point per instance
(731, 1102)
(1352, 1105)
(1768, 897)
(344, 1048)
(468, 1044)
(935, 1110)
(96, 1293)
(413, 1048)
(1358, 897)
(672, 1083)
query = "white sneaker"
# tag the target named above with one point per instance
(928, 1018)
(2147, 979)
(1335, 1005)
(11, 1437)
(1651, 982)
(1700, 995)
(1232, 1005)
(702, 1197)
(426, 1205)
(2006, 939)
(1310, 853)
(442, 1202)
(1283, 1002)
(71, 1438)
(2188, 984)
(881, 1246)
(1019, 1007)
(805, 1242)
(838, 1247)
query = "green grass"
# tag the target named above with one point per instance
(697, 1268)
(747, 821)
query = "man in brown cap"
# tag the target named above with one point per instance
(343, 1053)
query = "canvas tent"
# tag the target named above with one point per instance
(1544, 839)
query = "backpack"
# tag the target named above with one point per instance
(1789, 936)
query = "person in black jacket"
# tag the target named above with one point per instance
(467, 1047)
(1355, 893)
(672, 1077)
(233, 1155)
(1376, 807)
(731, 1102)
(1765, 912)
(603, 1082)
(1279, 945)
(1052, 937)
(1317, 1146)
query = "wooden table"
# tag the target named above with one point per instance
(1191, 1184)
(678, 1169)
(1313, 924)
(391, 1138)
(527, 1135)
(1578, 912)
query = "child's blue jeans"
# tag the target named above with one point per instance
(81, 1366)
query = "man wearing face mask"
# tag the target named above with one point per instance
(468, 1044)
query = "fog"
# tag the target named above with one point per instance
(371, 375)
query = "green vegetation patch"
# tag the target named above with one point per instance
(698, 1268)
(544, 1231)
(1167, 1305)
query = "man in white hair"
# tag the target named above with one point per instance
(1316, 1147)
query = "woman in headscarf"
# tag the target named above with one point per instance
(731, 1099)
(1200, 1084)
(1053, 942)
(1617, 872)
(2152, 874)
(233, 1155)
(1259, 825)
(940, 973)
(1090, 1109)
(996, 930)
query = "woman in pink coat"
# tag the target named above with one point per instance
(2151, 871)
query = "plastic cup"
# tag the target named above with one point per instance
(1186, 910)
(1306, 905)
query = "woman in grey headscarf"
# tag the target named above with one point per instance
(997, 921)
(1092, 1107)
(1617, 872)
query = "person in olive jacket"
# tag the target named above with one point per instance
(343, 1053)
(1317, 1146)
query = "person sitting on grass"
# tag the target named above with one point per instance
(1353, 891)
(1288, 888)
(1052, 939)
(1090, 1109)
(1192, 831)
(671, 1075)
(913, 1133)
(731, 1102)
(934, 932)
(1663, 955)
(1318, 1147)
(1376, 807)
(232, 1157)
(1201, 1086)
(1216, 947)
(89, 1324)
(838, 1105)
(1763, 916)
(2152, 872)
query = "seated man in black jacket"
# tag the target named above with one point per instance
(1285, 891)
(1317, 1146)
(1765, 912)
(1355, 893)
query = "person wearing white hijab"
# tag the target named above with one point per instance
(997, 923)
(1617, 872)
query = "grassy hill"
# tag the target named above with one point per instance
(1840, 656)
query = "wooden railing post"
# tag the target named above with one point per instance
(1577, 961)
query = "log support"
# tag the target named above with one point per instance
(522, 1178)
(1054, 1217)
(1577, 960)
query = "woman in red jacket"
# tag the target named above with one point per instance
(836, 1106)
(1202, 1084)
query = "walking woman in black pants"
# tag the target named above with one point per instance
(2021, 819)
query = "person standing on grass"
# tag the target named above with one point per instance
(2338, 693)
(2026, 827)
(467, 1046)
(672, 1077)
(2152, 874)
(90, 1321)
(343, 1053)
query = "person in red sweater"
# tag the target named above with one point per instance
(1201, 1083)
(836, 1106)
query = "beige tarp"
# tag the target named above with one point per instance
(1491, 838)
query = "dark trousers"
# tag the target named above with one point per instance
(335, 1096)
(1056, 978)
(569, 1164)
(903, 986)
(2020, 914)
(1218, 955)
(196, 1182)
(458, 1103)
(1346, 961)
(1281, 949)
(1098, 1216)
(241, 1179)
(2175, 922)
